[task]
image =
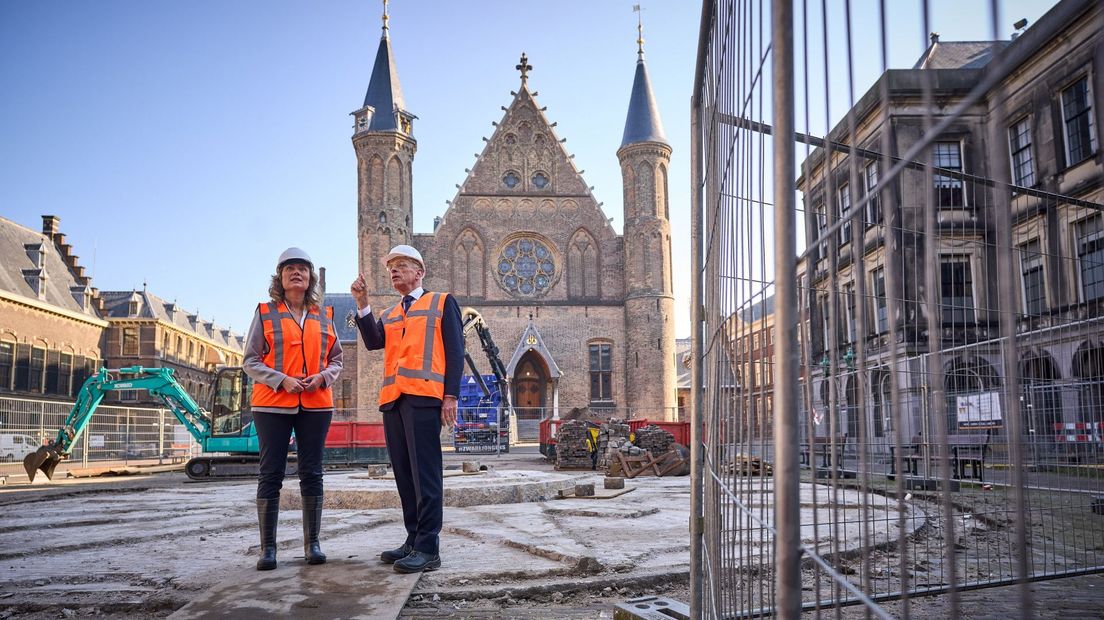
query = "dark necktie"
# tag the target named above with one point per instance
(406, 301)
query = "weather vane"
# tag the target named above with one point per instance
(639, 30)
(524, 67)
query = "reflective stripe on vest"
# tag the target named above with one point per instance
(297, 352)
(414, 352)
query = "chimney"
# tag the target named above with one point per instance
(51, 225)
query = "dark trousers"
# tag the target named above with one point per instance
(413, 437)
(274, 434)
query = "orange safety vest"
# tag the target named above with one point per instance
(297, 352)
(414, 352)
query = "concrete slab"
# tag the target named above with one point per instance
(598, 493)
(336, 589)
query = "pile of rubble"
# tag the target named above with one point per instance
(612, 436)
(654, 439)
(573, 445)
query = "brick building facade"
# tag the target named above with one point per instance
(56, 329)
(583, 316)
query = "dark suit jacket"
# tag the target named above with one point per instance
(452, 333)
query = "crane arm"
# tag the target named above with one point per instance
(157, 381)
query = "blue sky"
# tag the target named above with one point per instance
(188, 143)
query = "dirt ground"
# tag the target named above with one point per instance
(145, 546)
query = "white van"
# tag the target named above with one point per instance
(15, 447)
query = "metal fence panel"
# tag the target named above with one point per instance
(922, 372)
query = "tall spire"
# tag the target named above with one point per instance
(384, 91)
(643, 123)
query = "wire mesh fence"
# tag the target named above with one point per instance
(900, 308)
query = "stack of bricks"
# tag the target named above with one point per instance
(571, 446)
(654, 439)
(611, 437)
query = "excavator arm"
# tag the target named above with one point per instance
(159, 382)
(473, 321)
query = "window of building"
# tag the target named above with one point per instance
(849, 311)
(7, 364)
(1019, 148)
(1032, 279)
(53, 359)
(844, 203)
(821, 219)
(22, 367)
(179, 345)
(957, 289)
(948, 190)
(878, 287)
(825, 325)
(37, 369)
(166, 342)
(1090, 257)
(130, 341)
(191, 351)
(601, 372)
(873, 207)
(1078, 116)
(65, 374)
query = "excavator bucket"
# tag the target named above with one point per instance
(46, 458)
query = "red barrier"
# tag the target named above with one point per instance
(358, 434)
(368, 434)
(680, 430)
(340, 435)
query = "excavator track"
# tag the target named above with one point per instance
(207, 468)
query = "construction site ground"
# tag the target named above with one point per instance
(159, 545)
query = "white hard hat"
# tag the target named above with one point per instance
(400, 251)
(293, 254)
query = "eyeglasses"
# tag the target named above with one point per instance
(403, 265)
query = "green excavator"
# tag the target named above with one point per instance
(227, 429)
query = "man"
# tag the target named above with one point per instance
(423, 353)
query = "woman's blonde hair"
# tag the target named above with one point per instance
(312, 298)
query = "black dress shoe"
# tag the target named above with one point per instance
(417, 562)
(394, 555)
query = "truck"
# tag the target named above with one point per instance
(484, 410)
(225, 433)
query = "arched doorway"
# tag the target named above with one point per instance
(964, 378)
(1042, 401)
(530, 389)
(1088, 368)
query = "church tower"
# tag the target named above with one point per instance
(383, 138)
(645, 156)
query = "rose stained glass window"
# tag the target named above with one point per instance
(526, 267)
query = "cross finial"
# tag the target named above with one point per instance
(639, 30)
(385, 18)
(524, 67)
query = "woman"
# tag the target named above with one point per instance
(293, 356)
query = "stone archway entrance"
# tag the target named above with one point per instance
(530, 384)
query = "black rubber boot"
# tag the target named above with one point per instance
(312, 521)
(268, 514)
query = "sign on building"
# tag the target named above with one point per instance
(979, 410)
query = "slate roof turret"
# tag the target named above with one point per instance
(643, 123)
(384, 91)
